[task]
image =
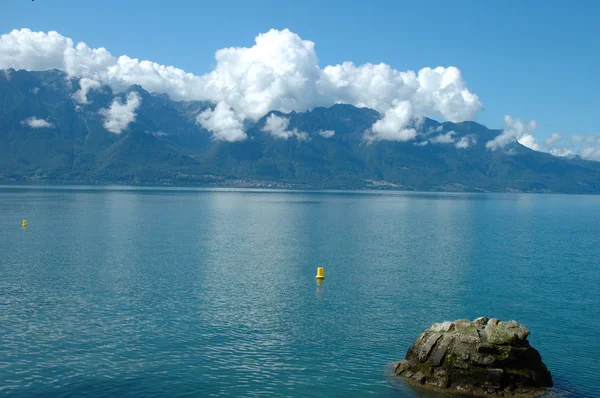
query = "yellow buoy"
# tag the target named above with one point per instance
(24, 223)
(320, 273)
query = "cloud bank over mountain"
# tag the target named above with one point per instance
(514, 130)
(279, 72)
(588, 147)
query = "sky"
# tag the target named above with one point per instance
(532, 60)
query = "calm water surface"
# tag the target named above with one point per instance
(116, 291)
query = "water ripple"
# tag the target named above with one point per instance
(212, 293)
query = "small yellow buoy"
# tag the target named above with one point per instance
(320, 273)
(24, 223)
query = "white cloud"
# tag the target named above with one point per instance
(444, 138)
(394, 126)
(277, 126)
(466, 142)
(530, 142)
(590, 152)
(326, 133)
(450, 138)
(223, 123)
(118, 116)
(35, 90)
(553, 139)
(562, 152)
(521, 131)
(85, 85)
(587, 147)
(437, 129)
(577, 138)
(279, 72)
(431, 92)
(514, 129)
(24, 49)
(36, 123)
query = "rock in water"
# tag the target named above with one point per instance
(486, 356)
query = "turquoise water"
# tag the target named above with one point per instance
(116, 291)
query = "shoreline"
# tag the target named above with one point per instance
(271, 185)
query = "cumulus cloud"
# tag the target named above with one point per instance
(444, 138)
(521, 131)
(279, 72)
(437, 129)
(590, 153)
(583, 146)
(36, 123)
(277, 126)
(514, 130)
(326, 133)
(530, 142)
(394, 126)
(85, 85)
(465, 142)
(563, 152)
(118, 116)
(24, 49)
(223, 123)
(449, 138)
(431, 92)
(587, 147)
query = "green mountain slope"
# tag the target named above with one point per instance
(165, 145)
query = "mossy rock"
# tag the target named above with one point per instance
(480, 357)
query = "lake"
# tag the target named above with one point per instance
(129, 291)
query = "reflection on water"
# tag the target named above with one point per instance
(320, 290)
(114, 291)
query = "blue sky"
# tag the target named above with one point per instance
(530, 59)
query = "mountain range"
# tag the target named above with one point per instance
(46, 135)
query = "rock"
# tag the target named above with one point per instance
(442, 327)
(505, 333)
(480, 322)
(427, 345)
(482, 357)
(464, 327)
(419, 377)
(437, 356)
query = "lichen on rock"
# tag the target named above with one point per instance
(480, 357)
